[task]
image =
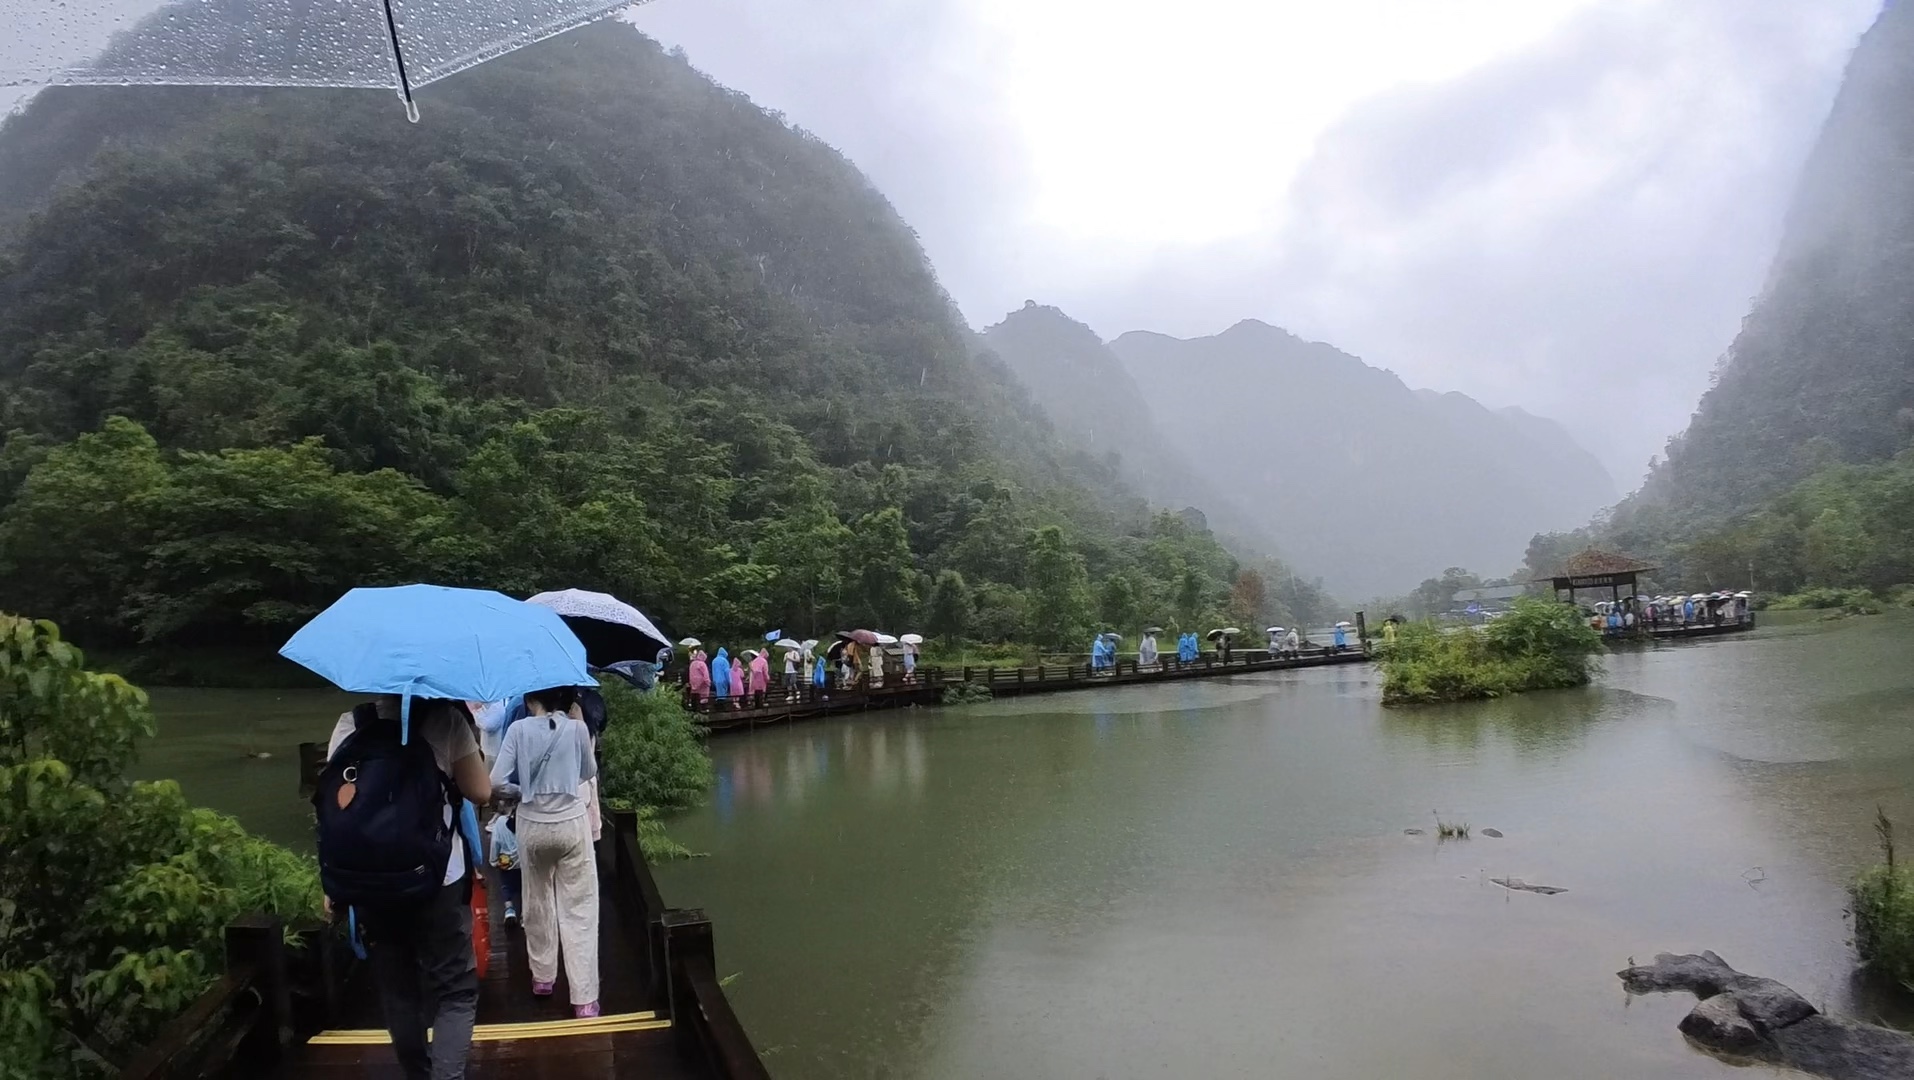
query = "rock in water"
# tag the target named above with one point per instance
(1769, 1004)
(1518, 885)
(1760, 1018)
(1492, 832)
(1412, 832)
(1717, 1024)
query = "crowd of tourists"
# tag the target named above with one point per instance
(1634, 613)
(855, 659)
(457, 763)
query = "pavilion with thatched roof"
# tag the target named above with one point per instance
(1592, 569)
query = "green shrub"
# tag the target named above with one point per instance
(116, 895)
(652, 752)
(966, 693)
(1849, 601)
(1883, 905)
(1537, 645)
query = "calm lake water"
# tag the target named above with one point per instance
(1212, 879)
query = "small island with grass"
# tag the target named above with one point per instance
(1536, 645)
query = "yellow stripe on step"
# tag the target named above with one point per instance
(539, 1029)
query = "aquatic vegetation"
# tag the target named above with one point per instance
(652, 760)
(1882, 901)
(1537, 645)
(966, 694)
(1449, 830)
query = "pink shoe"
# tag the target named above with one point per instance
(584, 1012)
(541, 989)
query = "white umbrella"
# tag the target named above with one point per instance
(788, 643)
(1272, 630)
(886, 639)
(690, 643)
(912, 639)
(1344, 625)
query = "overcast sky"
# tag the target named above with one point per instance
(1561, 204)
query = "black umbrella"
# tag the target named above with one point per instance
(610, 629)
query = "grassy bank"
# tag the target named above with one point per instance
(1538, 645)
(1847, 601)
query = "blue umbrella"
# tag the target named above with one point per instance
(434, 641)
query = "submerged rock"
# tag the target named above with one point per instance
(1750, 1016)
(1412, 832)
(1518, 885)
(1717, 1024)
(1497, 833)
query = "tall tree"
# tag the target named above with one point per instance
(886, 578)
(1059, 590)
(949, 608)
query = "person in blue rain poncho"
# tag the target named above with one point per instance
(721, 675)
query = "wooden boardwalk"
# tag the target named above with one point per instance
(665, 1015)
(928, 685)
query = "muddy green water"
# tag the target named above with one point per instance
(1212, 879)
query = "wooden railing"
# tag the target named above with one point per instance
(680, 957)
(241, 1025)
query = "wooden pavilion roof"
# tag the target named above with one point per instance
(1591, 562)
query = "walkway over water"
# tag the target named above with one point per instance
(928, 684)
(313, 1013)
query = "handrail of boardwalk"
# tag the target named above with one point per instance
(240, 1025)
(679, 956)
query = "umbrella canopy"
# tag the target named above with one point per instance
(611, 629)
(886, 639)
(690, 642)
(1345, 625)
(1152, 629)
(862, 637)
(788, 643)
(1113, 635)
(912, 639)
(397, 44)
(434, 641)
(1272, 630)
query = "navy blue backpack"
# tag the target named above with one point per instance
(383, 836)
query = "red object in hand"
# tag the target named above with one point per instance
(481, 926)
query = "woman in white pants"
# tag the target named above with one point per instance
(551, 751)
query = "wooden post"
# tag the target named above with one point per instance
(257, 944)
(312, 758)
(1039, 672)
(1362, 632)
(966, 672)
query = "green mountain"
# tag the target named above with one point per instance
(1823, 368)
(1350, 472)
(595, 322)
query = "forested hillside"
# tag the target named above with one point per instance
(1348, 470)
(1795, 470)
(1822, 371)
(596, 322)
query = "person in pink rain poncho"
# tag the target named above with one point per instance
(760, 678)
(699, 681)
(737, 686)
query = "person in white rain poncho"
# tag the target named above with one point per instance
(1146, 650)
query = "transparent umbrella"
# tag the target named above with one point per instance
(401, 44)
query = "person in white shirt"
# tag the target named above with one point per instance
(551, 751)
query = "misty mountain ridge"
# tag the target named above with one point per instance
(1087, 392)
(1349, 471)
(1822, 369)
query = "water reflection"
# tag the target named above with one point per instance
(766, 771)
